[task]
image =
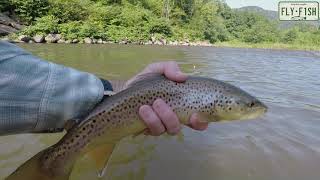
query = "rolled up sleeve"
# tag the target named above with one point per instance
(37, 95)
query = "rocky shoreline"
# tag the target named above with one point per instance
(58, 38)
(9, 27)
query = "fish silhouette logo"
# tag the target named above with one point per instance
(298, 11)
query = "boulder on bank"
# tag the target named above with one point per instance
(124, 41)
(38, 38)
(87, 40)
(75, 41)
(24, 38)
(61, 41)
(157, 42)
(53, 38)
(153, 40)
(163, 41)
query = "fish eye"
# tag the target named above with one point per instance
(251, 104)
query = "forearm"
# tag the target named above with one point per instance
(37, 95)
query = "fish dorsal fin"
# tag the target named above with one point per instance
(101, 156)
(143, 78)
(118, 85)
(109, 93)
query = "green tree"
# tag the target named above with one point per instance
(29, 10)
(290, 36)
(44, 25)
(68, 10)
(5, 6)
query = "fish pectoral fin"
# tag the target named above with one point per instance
(101, 156)
(144, 131)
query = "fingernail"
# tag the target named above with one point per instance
(181, 76)
(175, 130)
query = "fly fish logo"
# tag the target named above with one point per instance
(298, 11)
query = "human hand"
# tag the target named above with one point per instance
(159, 117)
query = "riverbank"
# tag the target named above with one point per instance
(57, 38)
(268, 46)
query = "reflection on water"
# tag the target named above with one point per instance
(284, 144)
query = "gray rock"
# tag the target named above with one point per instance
(163, 41)
(30, 41)
(158, 43)
(148, 43)
(94, 41)
(61, 41)
(38, 38)
(123, 42)
(5, 20)
(8, 25)
(24, 38)
(53, 38)
(75, 41)
(153, 39)
(68, 41)
(87, 40)
(104, 42)
(57, 37)
(175, 43)
(99, 41)
(50, 38)
(5, 30)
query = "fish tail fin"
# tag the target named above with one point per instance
(32, 169)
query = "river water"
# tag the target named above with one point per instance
(282, 145)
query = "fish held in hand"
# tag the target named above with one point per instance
(117, 117)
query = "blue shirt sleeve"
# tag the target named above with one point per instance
(37, 95)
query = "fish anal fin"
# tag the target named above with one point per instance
(101, 156)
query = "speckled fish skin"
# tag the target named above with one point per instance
(117, 116)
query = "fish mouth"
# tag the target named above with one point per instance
(257, 112)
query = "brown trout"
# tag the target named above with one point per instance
(117, 117)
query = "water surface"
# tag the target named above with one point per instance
(284, 144)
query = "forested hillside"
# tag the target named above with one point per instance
(141, 20)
